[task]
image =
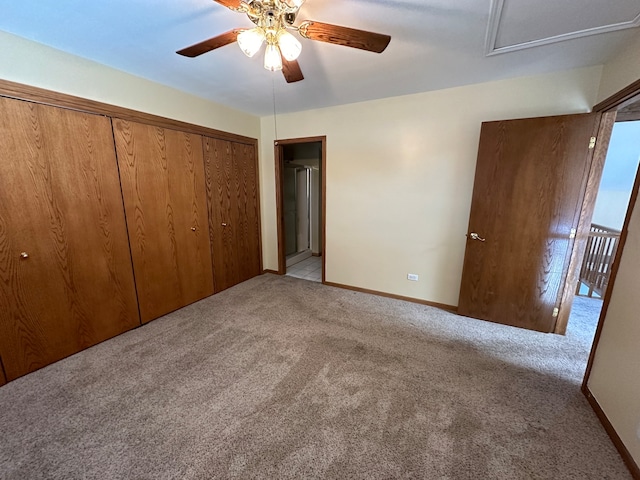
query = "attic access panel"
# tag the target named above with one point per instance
(519, 24)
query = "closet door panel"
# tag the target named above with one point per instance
(65, 268)
(232, 194)
(223, 211)
(248, 232)
(163, 187)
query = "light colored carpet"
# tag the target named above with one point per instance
(283, 378)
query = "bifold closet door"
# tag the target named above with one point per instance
(248, 233)
(232, 194)
(66, 280)
(162, 177)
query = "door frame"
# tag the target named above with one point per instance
(602, 133)
(608, 109)
(615, 102)
(279, 161)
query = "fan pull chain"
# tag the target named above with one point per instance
(275, 119)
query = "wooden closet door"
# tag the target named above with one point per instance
(223, 212)
(232, 194)
(248, 231)
(164, 195)
(66, 280)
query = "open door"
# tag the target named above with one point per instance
(287, 207)
(527, 208)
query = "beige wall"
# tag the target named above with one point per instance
(400, 175)
(35, 64)
(615, 378)
(623, 70)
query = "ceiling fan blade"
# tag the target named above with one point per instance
(232, 4)
(291, 71)
(211, 44)
(349, 37)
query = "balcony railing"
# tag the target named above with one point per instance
(598, 259)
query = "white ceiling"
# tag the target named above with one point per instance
(435, 44)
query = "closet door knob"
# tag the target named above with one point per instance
(193, 229)
(224, 224)
(24, 255)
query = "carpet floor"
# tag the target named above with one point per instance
(284, 378)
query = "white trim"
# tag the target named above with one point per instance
(495, 17)
(495, 14)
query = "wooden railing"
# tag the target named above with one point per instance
(598, 259)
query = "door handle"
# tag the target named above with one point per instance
(475, 236)
(224, 224)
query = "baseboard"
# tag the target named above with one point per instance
(275, 272)
(441, 306)
(617, 442)
(316, 254)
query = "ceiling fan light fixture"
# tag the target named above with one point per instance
(289, 45)
(250, 41)
(272, 58)
(272, 19)
(293, 3)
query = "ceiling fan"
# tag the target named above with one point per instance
(273, 19)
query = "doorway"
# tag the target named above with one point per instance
(539, 272)
(612, 203)
(530, 200)
(300, 203)
(300, 223)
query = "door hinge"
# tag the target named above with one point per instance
(556, 311)
(572, 234)
(592, 143)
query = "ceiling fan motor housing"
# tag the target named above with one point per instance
(270, 14)
(270, 19)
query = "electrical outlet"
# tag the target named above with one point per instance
(412, 276)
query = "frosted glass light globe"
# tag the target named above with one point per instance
(250, 41)
(289, 45)
(272, 58)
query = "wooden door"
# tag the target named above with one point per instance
(162, 177)
(66, 280)
(530, 180)
(232, 194)
(248, 216)
(223, 211)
